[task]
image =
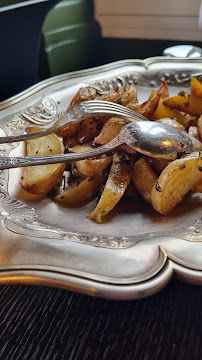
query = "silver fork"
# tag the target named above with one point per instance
(79, 112)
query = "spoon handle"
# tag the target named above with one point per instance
(14, 162)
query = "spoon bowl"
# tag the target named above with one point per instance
(158, 140)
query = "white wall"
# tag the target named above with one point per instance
(149, 19)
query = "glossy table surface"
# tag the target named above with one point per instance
(48, 323)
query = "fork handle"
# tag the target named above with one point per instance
(14, 162)
(63, 122)
(28, 136)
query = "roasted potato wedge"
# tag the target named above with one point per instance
(129, 95)
(175, 181)
(133, 105)
(79, 194)
(89, 167)
(117, 182)
(41, 179)
(199, 125)
(148, 108)
(197, 188)
(164, 111)
(172, 122)
(193, 131)
(111, 96)
(87, 131)
(86, 168)
(158, 164)
(81, 148)
(84, 94)
(144, 178)
(196, 87)
(153, 93)
(109, 131)
(190, 104)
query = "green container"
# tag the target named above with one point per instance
(69, 12)
(70, 36)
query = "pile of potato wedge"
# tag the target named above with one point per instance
(161, 183)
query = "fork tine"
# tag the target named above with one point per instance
(96, 105)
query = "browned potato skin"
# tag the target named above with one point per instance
(175, 181)
(90, 128)
(153, 93)
(80, 194)
(129, 95)
(41, 179)
(84, 94)
(111, 96)
(117, 182)
(144, 178)
(133, 105)
(148, 108)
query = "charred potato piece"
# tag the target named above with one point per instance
(90, 128)
(144, 178)
(175, 181)
(87, 131)
(117, 182)
(79, 194)
(41, 179)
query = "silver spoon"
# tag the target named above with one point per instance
(147, 137)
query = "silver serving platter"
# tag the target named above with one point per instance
(133, 254)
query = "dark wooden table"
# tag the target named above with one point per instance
(41, 323)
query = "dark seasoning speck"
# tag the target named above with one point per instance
(157, 187)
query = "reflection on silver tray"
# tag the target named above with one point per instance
(136, 251)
